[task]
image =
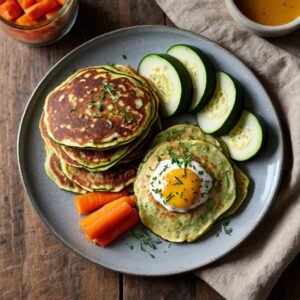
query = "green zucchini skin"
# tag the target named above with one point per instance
(211, 75)
(260, 135)
(236, 110)
(184, 78)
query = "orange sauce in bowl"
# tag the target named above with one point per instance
(270, 12)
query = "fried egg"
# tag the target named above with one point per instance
(179, 187)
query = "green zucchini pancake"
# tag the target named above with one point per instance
(53, 170)
(181, 161)
(99, 118)
(183, 188)
(114, 179)
(99, 108)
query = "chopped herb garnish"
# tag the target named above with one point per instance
(109, 89)
(169, 197)
(146, 241)
(142, 247)
(126, 117)
(95, 116)
(70, 109)
(164, 170)
(124, 56)
(186, 160)
(228, 230)
(110, 124)
(71, 184)
(100, 107)
(178, 181)
(185, 147)
(129, 119)
(158, 158)
(157, 191)
(102, 96)
(91, 103)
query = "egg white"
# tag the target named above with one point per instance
(157, 183)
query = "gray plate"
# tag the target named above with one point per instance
(56, 207)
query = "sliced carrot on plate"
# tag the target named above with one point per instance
(91, 201)
(105, 209)
(108, 220)
(10, 10)
(118, 229)
(41, 8)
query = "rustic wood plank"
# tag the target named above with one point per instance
(204, 292)
(150, 288)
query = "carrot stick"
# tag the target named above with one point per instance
(52, 12)
(26, 3)
(118, 229)
(105, 209)
(91, 201)
(10, 10)
(39, 9)
(108, 220)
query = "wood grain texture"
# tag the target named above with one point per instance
(34, 264)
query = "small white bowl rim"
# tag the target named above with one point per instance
(257, 26)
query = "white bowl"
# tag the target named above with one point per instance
(259, 29)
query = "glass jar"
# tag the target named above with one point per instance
(46, 32)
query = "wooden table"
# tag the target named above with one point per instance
(34, 264)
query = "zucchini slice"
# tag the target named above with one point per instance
(201, 70)
(171, 80)
(224, 108)
(246, 138)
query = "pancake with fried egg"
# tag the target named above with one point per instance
(212, 203)
(190, 132)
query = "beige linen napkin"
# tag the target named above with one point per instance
(250, 271)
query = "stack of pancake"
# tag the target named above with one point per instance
(95, 125)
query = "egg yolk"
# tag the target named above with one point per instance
(182, 188)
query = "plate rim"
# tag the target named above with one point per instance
(30, 104)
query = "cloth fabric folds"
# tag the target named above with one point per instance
(250, 271)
